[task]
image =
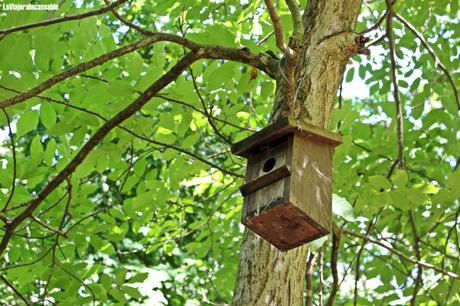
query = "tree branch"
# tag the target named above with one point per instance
(297, 24)
(278, 30)
(131, 132)
(394, 78)
(309, 279)
(433, 54)
(78, 280)
(129, 23)
(400, 137)
(103, 10)
(40, 222)
(410, 169)
(321, 276)
(14, 290)
(243, 55)
(369, 230)
(265, 38)
(379, 21)
(290, 50)
(128, 111)
(418, 280)
(76, 70)
(335, 276)
(399, 254)
(206, 112)
(164, 97)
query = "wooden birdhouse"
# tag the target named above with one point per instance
(288, 187)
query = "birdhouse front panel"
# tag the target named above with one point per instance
(266, 177)
(288, 186)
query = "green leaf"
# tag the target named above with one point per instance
(191, 140)
(47, 115)
(36, 148)
(453, 181)
(49, 152)
(341, 207)
(44, 51)
(21, 58)
(132, 292)
(118, 295)
(99, 292)
(318, 243)
(144, 201)
(350, 75)
(362, 71)
(106, 281)
(400, 178)
(165, 136)
(120, 88)
(27, 122)
(400, 198)
(379, 183)
(120, 276)
(138, 278)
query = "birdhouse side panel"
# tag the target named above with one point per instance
(311, 182)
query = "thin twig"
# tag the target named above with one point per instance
(265, 38)
(102, 10)
(321, 276)
(369, 230)
(206, 112)
(309, 279)
(418, 281)
(410, 169)
(376, 41)
(13, 150)
(19, 294)
(129, 23)
(297, 24)
(400, 137)
(291, 52)
(40, 222)
(278, 30)
(401, 255)
(335, 276)
(457, 239)
(433, 54)
(165, 97)
(394, 79)
(379, 21)
(78, 280)
(29, 263)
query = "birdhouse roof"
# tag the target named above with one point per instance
(280, 128)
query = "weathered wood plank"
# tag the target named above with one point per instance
(265, 180)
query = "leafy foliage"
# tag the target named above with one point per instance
(158, 222)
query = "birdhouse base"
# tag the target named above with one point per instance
(285, 226)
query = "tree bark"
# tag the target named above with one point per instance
(267, 276)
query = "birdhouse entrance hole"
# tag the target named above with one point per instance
(269, 164)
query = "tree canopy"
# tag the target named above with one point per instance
(117, 185)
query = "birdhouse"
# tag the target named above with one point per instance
(288, 185)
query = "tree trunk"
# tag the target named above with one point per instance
(267, 276)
